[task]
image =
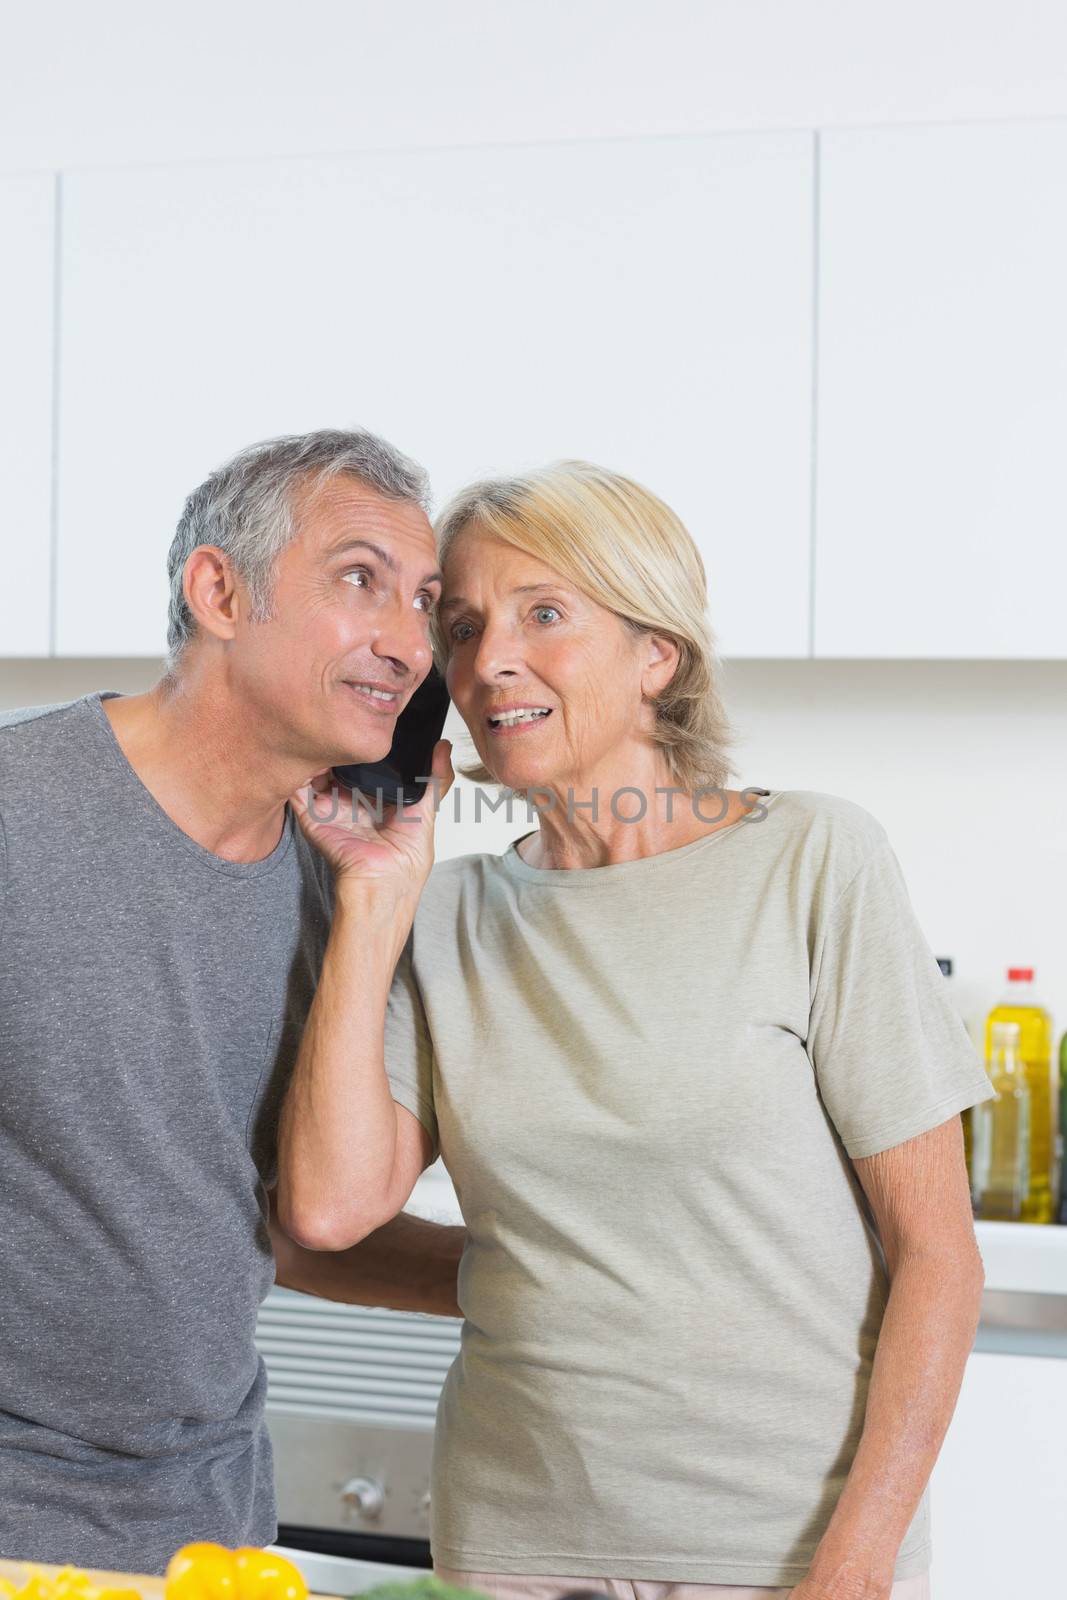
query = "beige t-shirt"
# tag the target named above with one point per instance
(648, 1079)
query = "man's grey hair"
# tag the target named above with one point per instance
(245, 508)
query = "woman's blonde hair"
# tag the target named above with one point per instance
(614, 540)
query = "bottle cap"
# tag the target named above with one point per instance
(1020, 974)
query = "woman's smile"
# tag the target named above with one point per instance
(507, 721)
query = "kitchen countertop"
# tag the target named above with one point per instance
(1024, 1257)
(150, 1588)
(1024, 1303)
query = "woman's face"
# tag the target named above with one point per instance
(520, 635)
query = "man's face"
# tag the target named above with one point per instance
(352, 599)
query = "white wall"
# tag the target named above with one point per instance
(964, 763)
(120, 82)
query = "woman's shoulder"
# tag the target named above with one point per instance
(832, 814)
(835, 835)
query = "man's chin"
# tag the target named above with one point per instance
(365, 746)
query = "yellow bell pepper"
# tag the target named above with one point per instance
(211, 1572)
(70, 1583)
(200, 1572)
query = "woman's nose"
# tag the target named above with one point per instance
(498, 652)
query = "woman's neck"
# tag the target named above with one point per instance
(661, 821)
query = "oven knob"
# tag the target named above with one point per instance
(364, 1495)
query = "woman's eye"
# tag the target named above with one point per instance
(453, 633)
(540, 609)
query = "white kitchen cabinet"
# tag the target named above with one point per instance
(27, 296)
(999, 1486)
(642, 303)
(942, 393)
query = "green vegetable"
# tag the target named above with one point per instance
(428, 1588)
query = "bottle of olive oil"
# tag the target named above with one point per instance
(1000, 1147)
(1020, 1005)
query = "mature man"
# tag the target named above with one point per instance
(162, 924)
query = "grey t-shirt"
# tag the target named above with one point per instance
(647, 1081)
(152, 996)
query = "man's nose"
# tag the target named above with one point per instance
(402, 638)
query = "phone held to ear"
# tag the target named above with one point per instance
(402, 775)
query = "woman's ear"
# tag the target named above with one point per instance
(661, 657)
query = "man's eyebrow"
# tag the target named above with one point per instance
(454, 601)
(387, 560)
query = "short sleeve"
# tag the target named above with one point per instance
(891, 1055)
(409, 1048)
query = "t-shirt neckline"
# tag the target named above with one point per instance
(150, 806)
(590, 877)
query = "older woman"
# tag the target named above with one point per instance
(695, 1075)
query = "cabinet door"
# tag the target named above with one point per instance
(27, 295)
(942, 393)
(644, 304)
(999, 1486)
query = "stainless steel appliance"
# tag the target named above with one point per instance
(340, 1575)
(351, 1405)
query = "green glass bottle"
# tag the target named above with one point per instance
(1061, 1212)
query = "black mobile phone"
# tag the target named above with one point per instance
(418, 728)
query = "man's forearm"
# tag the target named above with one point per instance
(926, 1336)
(407, 1265)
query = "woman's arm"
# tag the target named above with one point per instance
(920, 1197)
(348, 1154)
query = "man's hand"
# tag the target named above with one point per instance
(394, 854)
(407, 1265)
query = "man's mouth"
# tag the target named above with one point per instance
(381, 700)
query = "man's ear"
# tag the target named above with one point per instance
(211, 591)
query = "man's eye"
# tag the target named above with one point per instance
(429, 601)
(356, 572)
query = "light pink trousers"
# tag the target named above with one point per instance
(514, 1586)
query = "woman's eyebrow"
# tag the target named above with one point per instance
(454, 601)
